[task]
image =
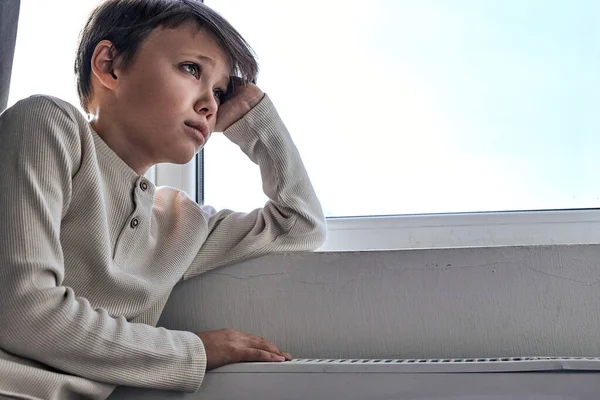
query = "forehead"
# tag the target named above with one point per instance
(187, 40)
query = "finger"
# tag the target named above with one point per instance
(263, 344)
(235, 86)
(235, 82)
(257, 355)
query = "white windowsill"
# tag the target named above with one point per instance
(463, 230)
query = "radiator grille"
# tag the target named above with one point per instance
(436, 361)
(438, 365)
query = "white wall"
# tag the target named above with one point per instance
(441, 303)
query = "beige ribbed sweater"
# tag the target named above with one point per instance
(90, 251)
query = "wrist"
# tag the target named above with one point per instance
(252, 102)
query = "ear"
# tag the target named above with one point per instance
(104, 64)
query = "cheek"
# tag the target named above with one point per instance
(151, 94)
(148, 86)
(155, 104)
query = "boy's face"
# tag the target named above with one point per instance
(166, 100)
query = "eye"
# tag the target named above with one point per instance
(219, 94)
(192, 69)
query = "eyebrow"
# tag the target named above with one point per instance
(209, 60)
(204, 58)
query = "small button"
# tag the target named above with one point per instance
(144, 186)
(134, 223)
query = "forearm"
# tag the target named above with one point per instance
(262, 135)
(292, 219)
(54, 327)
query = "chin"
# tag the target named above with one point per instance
(184, 157)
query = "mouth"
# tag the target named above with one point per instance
(198, 131)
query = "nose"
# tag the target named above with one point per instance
(206, 105)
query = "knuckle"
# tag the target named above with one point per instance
(238, 353)
(230, 332)
(253, 354)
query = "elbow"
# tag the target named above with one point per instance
(22, 318)
(319, 234)
(14, 329)
(320, 229)
(314, 234)
(317, 224)
(300, 231)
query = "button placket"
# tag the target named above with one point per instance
(135, 221)
(129, 239)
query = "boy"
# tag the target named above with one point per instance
(90, 250)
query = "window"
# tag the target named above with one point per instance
(441, 121)
(422, 114)
(427, 106)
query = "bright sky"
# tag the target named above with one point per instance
(397, 106)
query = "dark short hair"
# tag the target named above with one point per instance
(126, 23)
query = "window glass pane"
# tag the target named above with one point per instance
(426, 106)
(45, 50)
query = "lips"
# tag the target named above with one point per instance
(198, 130)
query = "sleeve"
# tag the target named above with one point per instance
(292, 218)
(40, 150)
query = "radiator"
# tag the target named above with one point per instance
(527, 378)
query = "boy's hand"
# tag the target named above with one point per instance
(227, 346)
(240, 99)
